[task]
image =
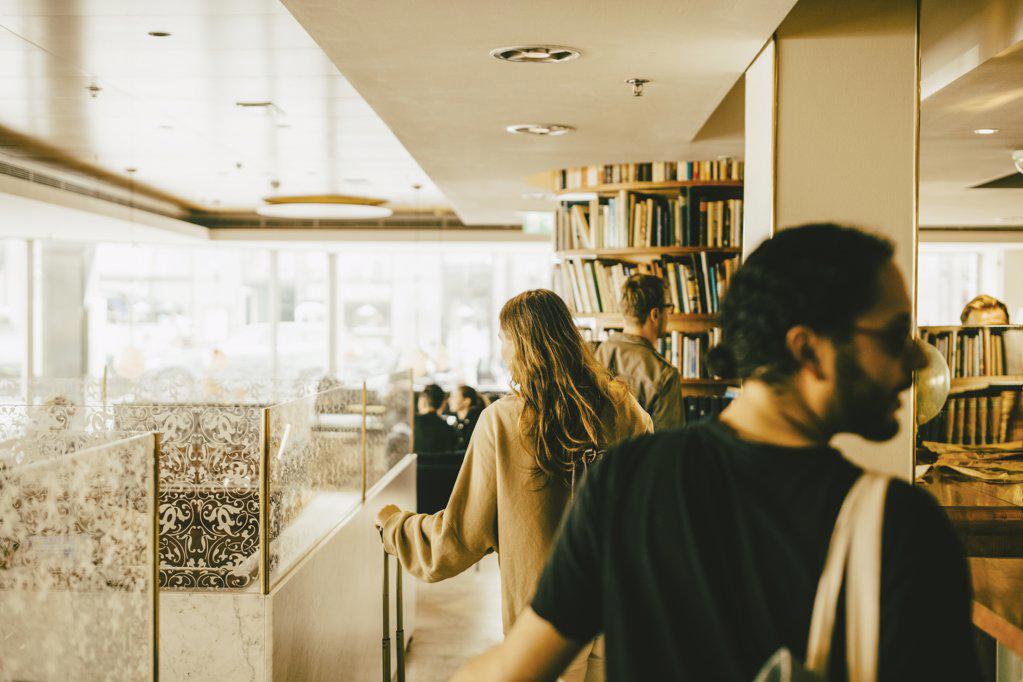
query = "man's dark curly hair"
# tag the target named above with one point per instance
(822, 276)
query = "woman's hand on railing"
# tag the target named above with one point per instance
(386, 513)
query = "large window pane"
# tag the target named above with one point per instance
(13, 307)
(200, 310)
(302, 311)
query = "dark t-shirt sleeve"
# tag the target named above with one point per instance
(569, 593)
(926, 630)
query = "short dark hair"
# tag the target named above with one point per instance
(434, 395)
(640, 295)
(822, 276)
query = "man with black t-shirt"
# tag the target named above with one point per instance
(697, 552)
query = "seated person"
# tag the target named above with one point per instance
(432, 433)
(466, 403)
(984, 310)
(697, 552)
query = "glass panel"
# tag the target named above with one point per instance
(315, 471)
(388, 423)
(210, 465)
(77, 547)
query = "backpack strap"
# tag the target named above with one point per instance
(854, 552)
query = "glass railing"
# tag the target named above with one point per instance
(78, 556)
(248, 485)
(314, 472)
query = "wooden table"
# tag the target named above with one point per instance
(998, 599)
(988, 517)
(989, 521)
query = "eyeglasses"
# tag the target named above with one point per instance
(895, 340)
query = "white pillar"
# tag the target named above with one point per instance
(845, 98)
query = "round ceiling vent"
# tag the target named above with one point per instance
(543, 129)
(535, 54)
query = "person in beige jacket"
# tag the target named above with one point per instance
(528, 452)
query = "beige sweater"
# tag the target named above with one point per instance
(496, 505)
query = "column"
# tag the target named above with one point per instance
(842, 84)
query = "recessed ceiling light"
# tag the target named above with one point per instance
(986, 131)
(545, 129)
(535, 54)
(329, 206)
(159, 34)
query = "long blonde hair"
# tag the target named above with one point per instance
(569, 398)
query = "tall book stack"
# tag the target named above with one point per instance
(695, 283)
(977, 419)
(718, 170)
(688, 351)
(631, 220)
(978, 351)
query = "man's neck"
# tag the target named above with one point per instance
(644, 332)
(775, 416)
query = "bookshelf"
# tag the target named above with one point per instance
(680, 220)
(985, 405)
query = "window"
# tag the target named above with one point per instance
(302, 313)
(13, 307)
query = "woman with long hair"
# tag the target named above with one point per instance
(526, 457)
(467, 404)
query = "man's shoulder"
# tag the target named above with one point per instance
(654, 451)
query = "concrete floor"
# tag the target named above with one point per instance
(456, 619)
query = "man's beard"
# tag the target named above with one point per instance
(861, 406)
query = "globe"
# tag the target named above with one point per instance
(932, 385)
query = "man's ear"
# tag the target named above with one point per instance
(803, 344)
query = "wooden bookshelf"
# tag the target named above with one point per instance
(648, 252)
(985, 404)
(647, 187)
(704, 242)
(677, 322)
(968, 384)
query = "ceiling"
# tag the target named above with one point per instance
(953, 159)
(971, 78)
(167, 105)
(425, 68)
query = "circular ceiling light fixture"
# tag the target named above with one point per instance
(323, 206)
(541, 129)
(535, 54)
(985, 131)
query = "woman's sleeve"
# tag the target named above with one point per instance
(433, 547)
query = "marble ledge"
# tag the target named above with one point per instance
(215, 637)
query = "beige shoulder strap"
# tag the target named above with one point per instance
(854, 552)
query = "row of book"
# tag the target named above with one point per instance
(629, 220)
(696, 284)
(688, 351)
(656, 171)
(703, 407)
(976, 420)
(979, 351)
